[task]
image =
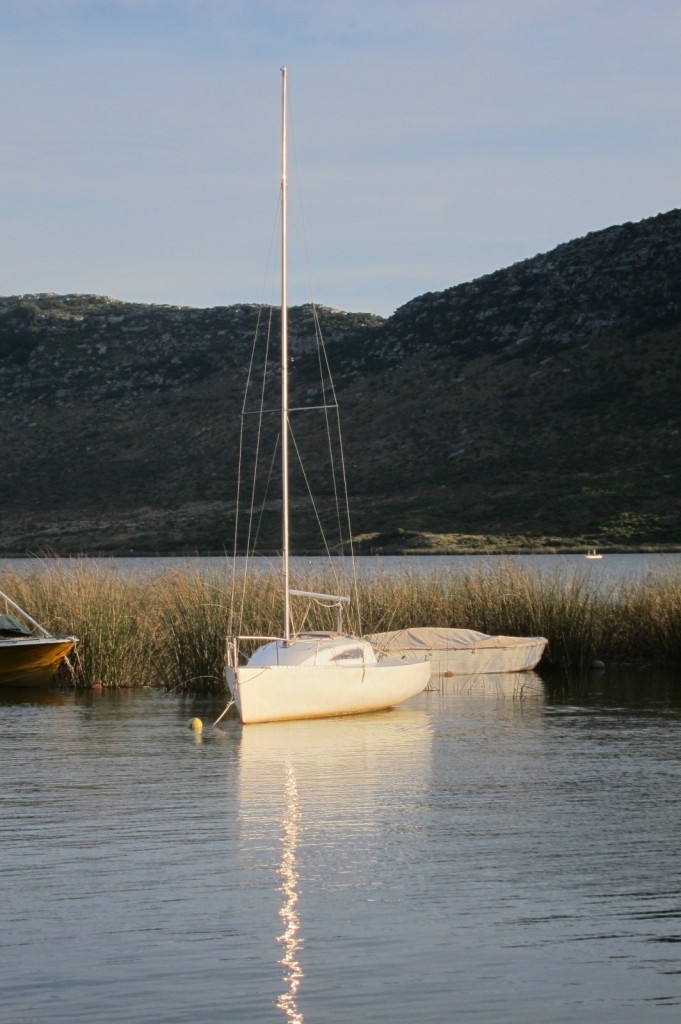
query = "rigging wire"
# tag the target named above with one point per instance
(324, 377)
(240, 458)
(338, 473)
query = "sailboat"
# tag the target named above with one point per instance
(319, 674)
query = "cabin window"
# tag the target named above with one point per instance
(347, 655)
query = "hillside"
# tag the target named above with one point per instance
(537, 407)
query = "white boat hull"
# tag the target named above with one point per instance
(462, 652)
(280, 693)
(485, 660)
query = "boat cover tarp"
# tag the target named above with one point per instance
(434, 638)
(9, 626)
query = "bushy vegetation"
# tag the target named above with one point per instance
(168, 630)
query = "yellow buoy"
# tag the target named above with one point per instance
(195, 724)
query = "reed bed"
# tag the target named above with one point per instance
(168, 630)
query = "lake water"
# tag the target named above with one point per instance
(491, 851)
(608, 569)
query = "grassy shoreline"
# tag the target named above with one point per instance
(168, 629)
(394, 542)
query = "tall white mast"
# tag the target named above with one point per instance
(284, 368)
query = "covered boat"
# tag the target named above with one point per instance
(29, 654)
(461, 652)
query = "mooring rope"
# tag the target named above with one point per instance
(220, 717)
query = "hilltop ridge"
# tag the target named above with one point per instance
(534, 408)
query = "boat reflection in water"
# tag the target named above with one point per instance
(317, 792)
(34, 696)
(526, 685)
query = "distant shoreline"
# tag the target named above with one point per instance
(360, 551)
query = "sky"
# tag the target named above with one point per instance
(431, 141)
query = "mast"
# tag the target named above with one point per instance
(284, 370)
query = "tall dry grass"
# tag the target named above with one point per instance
(169, 629)
(649, 623)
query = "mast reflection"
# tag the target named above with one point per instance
(290, 938)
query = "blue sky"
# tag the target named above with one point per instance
(433, 141)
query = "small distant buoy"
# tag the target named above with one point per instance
(195, 724)
(597, 665)
(97, 687)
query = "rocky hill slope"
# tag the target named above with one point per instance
(536, 407)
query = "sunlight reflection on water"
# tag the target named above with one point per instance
(290, 938)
